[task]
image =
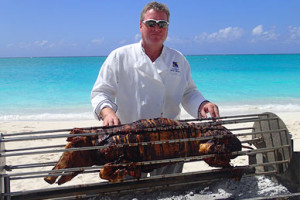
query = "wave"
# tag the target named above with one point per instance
(225, 109)
(249, 108)
(48, 117)
(238, 109)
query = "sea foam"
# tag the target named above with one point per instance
(225, 110)
(248, 108)
(48, 117)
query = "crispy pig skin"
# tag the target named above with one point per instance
(130, 137)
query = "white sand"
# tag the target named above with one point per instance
(291, 119)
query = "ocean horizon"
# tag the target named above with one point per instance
(58, 88)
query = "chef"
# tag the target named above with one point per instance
(148, 80)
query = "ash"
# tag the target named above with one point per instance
(247, 187)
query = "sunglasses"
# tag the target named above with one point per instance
(152, 23)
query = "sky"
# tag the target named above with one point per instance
(42, 28)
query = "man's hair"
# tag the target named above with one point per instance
(156, 6)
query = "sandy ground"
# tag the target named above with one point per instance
(255, 186)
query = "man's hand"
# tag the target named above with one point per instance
(109, 117)
(208, 107)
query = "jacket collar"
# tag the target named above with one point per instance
(145, 65)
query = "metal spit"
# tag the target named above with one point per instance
(265, 133)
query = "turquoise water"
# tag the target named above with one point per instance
(248, 78)
(59, 88)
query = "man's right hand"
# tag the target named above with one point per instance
(109, 117)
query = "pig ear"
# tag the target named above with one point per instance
(76, 131)
(75, 140)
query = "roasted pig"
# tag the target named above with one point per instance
(144, 140)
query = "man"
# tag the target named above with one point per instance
(148, 80)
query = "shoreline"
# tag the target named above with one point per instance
(216, 54)
(84, 113)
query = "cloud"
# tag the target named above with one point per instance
(44, 44)
(41, 43)
(37, 43)
(294, 32)
(226, 34)
(122, 42)
(260, 34)
(9, 45)
(98, 41)
(257, 30)
(24, 45)
(137, 37)
(51, 45)
(175, 40)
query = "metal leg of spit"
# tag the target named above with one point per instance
(4, 180)
(259, 160)
(7, 187)
(2, 170)
(291, 177)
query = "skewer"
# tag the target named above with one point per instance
(211, 121)
(7, 154)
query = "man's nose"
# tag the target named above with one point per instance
(156, 27)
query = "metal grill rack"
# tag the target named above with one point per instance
(26, 158)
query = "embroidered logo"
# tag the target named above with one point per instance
(175, 67)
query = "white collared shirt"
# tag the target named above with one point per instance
(137, 88)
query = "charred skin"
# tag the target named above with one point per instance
(222, 150)
(72, 159)
(148, 130)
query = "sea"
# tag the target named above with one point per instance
(59, 88)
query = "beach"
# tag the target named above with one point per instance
(291, 120)
(55, 94)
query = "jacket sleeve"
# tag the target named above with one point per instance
(192, 97)
(104, 91)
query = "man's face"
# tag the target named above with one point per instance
(154, 35)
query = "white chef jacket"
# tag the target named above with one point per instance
(137, 88)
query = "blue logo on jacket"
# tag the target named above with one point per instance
(175, 67)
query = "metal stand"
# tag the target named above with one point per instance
(271, 157)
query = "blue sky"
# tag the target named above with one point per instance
(32, 28)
